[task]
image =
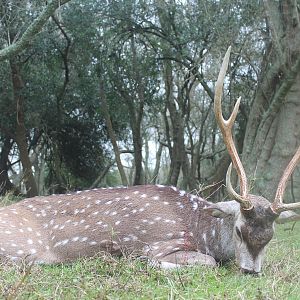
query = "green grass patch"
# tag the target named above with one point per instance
(107, 277)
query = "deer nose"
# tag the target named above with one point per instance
(252, 272)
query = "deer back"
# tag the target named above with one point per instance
(61, 228)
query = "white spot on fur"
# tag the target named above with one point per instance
(193, 197)
(195, 205)
(204, 237)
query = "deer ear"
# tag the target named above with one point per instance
(223, 209)
(287, 216)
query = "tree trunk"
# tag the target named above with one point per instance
(20, 135)
(102, 175)
(138, 157)
(273, 128)
(157, 163)
(111, 133)
(5, 184)
(175, 137)
(137, 116)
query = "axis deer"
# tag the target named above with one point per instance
(170, 227)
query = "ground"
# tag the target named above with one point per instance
(107, 277)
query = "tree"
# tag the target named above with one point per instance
(33, 29)
(273, 128)
(110, 129)
(159, 62)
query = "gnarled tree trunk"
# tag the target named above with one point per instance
(273, 129)
(20, 134)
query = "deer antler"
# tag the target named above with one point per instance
(226, 127)
(278, 206)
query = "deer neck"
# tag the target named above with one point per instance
(214, 236)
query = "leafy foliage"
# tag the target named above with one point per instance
(158, 61)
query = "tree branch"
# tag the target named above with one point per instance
(31, 31)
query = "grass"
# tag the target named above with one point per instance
(107, 277)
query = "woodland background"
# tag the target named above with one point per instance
(102, 93)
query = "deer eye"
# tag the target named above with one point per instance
(238, 232)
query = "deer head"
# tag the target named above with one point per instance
(255, 215)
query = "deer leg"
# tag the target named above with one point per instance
(176, 253)
(183, 259)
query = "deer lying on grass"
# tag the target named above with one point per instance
(170, 227)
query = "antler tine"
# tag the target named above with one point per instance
(229, 187)
(226, 127)
(278, 205)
